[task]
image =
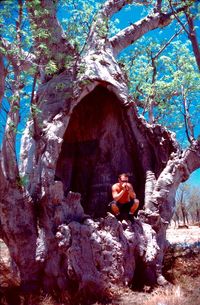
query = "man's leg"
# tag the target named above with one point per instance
(115, 209)
(134, 206)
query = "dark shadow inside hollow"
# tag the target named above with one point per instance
(96, 148)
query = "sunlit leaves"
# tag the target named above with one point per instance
(51, 68)
(35, 109)
(76, 19)
(175, 69)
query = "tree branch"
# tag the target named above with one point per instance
(50, 42)
(99, 28)
(168, 43)
(9, 158)
(2, 78)
(149, 186)
(158, 6)
(191, 158)
(111, 7)
(23, 61)
(177, 18)
(133, 32)
(151, 98)
(189, 128)
(19, 23)
(4, 182)
(178, 170)
(193, 38)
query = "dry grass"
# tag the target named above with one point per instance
(168, 296)
(188, 292)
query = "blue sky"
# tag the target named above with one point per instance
(194, 179)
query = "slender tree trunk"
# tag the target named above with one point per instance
(193, 37)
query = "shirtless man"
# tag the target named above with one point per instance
(124, 195)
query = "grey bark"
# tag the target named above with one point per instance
(129, 35)
(55, 39)
(9, 158)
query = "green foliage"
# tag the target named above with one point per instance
(51, 68)
(102, 28)
(77, 23)
(35, 109)
(175, 69)
(12, 126)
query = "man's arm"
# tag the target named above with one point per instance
(131, 192)
(115, 192)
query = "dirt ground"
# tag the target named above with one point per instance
(183, 235)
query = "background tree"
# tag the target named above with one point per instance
(164, 82)
(83, 129)
(182, 204)
(187, 206)
(194, 206)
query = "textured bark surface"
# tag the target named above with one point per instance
(17, 226)
(85, 149)
(94, 255)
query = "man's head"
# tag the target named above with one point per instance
(123, 178)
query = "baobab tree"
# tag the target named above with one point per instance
(84, 129)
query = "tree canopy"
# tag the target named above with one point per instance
(161, 66)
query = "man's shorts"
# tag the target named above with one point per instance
(125, 207)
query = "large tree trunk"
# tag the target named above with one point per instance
(88, 132)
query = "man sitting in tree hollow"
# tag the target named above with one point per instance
(124, 197)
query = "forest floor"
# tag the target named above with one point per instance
(181, 269)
